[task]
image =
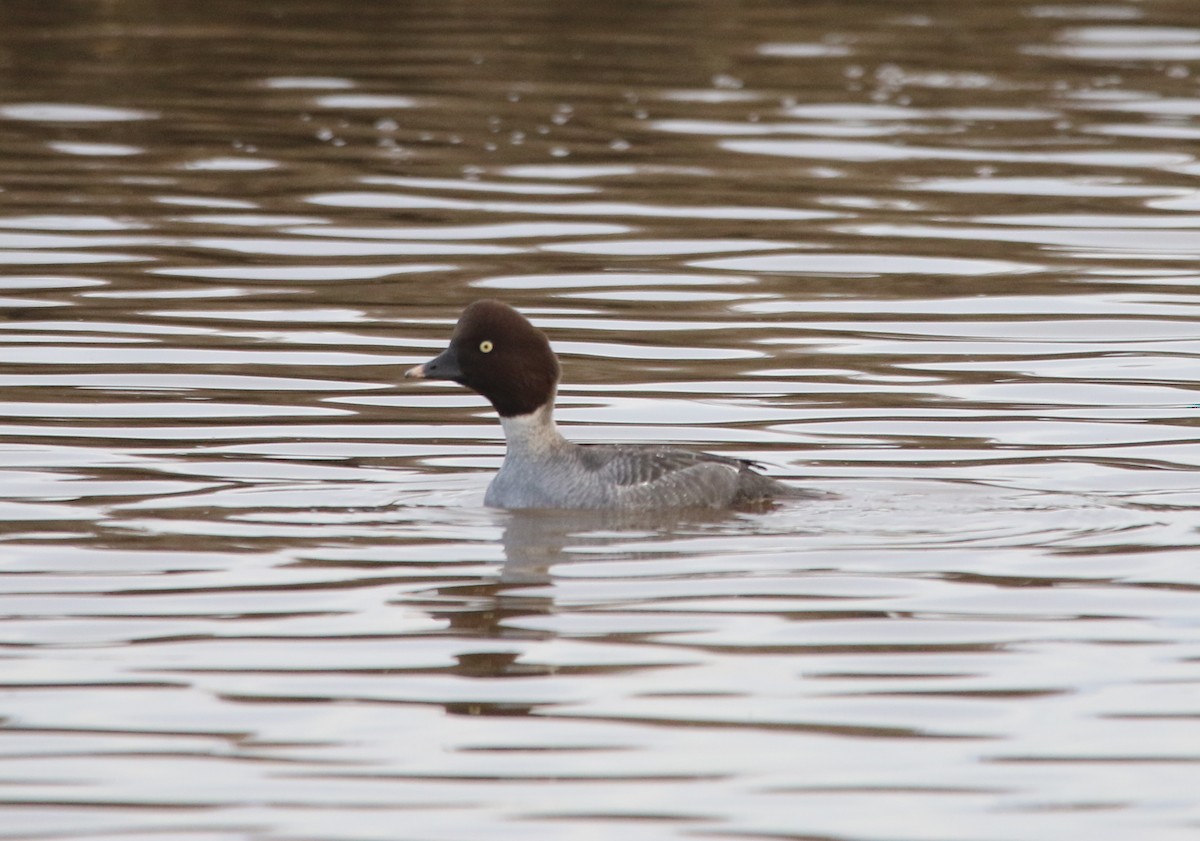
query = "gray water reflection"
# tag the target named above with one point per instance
(932, 257)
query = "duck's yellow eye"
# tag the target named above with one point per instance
(485, 346)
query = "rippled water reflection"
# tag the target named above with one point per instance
(938, 259)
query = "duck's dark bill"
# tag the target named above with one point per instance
(444, 366)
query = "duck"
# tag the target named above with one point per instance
(499, 354)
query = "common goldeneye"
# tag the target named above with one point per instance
(496, 352)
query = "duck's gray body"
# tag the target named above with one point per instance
(542, 469)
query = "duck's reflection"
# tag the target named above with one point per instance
(534, 543)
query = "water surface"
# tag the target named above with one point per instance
(938, 258)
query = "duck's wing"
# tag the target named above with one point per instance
(666, 477)
(627, 465)
(657, 476)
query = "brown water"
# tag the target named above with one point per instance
(938, 257)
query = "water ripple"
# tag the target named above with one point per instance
(937, 265)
